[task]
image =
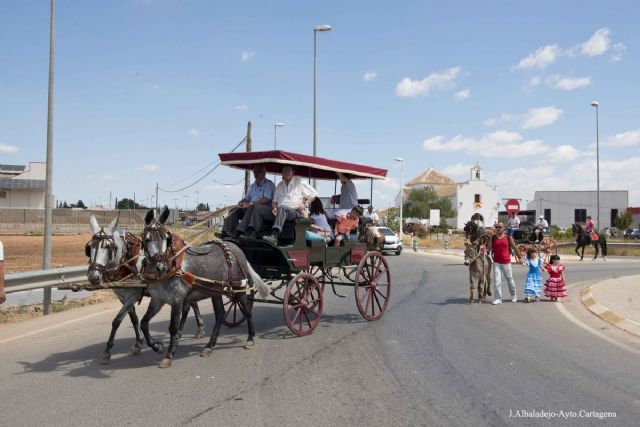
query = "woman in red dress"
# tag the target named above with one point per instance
(555, 286)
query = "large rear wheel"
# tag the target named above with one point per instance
(233, 316)
(549, 246)
(373, 286)
(303, 304)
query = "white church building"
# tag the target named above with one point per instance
(469, 197)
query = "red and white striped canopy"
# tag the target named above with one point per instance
(304, 165)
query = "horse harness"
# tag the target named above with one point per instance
(126, 268)
(174, 256)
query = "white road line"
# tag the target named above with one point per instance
(589, 329)
(48, 328)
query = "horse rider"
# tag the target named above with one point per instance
(542, 224)
(589, 227)
(513, 223)
(260, 193)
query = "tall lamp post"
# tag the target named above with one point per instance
(316, 30)
(186, 198)
(275, 139)
(596, 104)
(401, 160)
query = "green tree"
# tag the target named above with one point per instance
(421, 200)
(392, 219)
(202, 207)
(80, 204)
(128, 204)
(624, 220)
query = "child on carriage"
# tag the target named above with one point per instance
(319, 229)
(346, 223)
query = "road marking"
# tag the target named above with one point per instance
(587, 328)
(48, 328)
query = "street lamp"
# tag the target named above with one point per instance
(401, 160)
(186, 197)
(197, 201)
(316, 30)
(596, 104)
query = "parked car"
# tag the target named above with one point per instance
(635, 234)
(392, 242)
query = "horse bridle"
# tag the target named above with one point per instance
(160, 232)
(96, 242)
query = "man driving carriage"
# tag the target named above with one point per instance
(260, 193)
(542, 224)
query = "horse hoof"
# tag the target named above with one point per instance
(105, 359)
(250, 345)
(200, 333)
(166, 363)
(206, 352)
(158, 348)
(135, 350)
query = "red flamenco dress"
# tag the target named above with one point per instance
(554, 287)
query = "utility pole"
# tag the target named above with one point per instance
(247, 177)
(156, 197)
(49, 200)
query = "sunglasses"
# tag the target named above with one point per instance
(498, 227)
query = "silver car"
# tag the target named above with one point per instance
(391, 241)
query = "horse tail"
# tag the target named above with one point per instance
(262, 287)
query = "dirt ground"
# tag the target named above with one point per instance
(24, 253)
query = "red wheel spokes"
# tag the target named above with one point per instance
(373, 286)
(303, 304)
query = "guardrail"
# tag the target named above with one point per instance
(30, 280)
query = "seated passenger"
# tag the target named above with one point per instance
(346, 223)
(319, 228)
(536, 236)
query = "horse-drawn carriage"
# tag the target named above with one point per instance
(301, 268)
(174, 272)
(526, 237)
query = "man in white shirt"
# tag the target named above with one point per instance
(375, 219)
(513, 223)
(3, 297)
(542, 223)
(291, 198)
(348, 197)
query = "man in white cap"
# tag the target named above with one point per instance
(542, 223)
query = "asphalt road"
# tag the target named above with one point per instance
(433, 359)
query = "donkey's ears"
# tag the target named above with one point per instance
(94, 224)
(114, 223)
(164, 216)
(148, 217)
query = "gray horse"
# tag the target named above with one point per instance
(179, 274)
(479, 271)
(114, 257)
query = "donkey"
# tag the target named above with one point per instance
(583, 240)
(113, 257)
(479, 271)
(179, 274)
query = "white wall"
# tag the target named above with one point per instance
(36, 170)
(465, 198)
(564, 203)
(23, 199)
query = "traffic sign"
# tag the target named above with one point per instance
(512, 205)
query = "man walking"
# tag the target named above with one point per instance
(502, 244)
(260, 193)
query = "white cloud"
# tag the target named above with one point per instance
(598, 44)
(503, 143)
(558, 81)
(8, 149)
(618, 51)
(370, 75)
(459, 169)
(241, 107)
(148, 168)
(463, 94)
(541, 58)
(535, 81)
(193, 132)
(539, 117)
(388, 184)
(247, 55)
(624, 139)
(564, 154)
(504, 119)
(441, 81)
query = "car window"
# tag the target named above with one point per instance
(386, 231)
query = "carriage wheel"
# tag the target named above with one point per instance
(303, 304)
(522, 248)
(373, 286)
(549, 246)
(233, 316)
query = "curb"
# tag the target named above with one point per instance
(607, 315)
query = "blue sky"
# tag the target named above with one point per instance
(150, 91)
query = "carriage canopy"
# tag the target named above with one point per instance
(304, 165)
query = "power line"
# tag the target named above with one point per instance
(224, 183)
(164, 190)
